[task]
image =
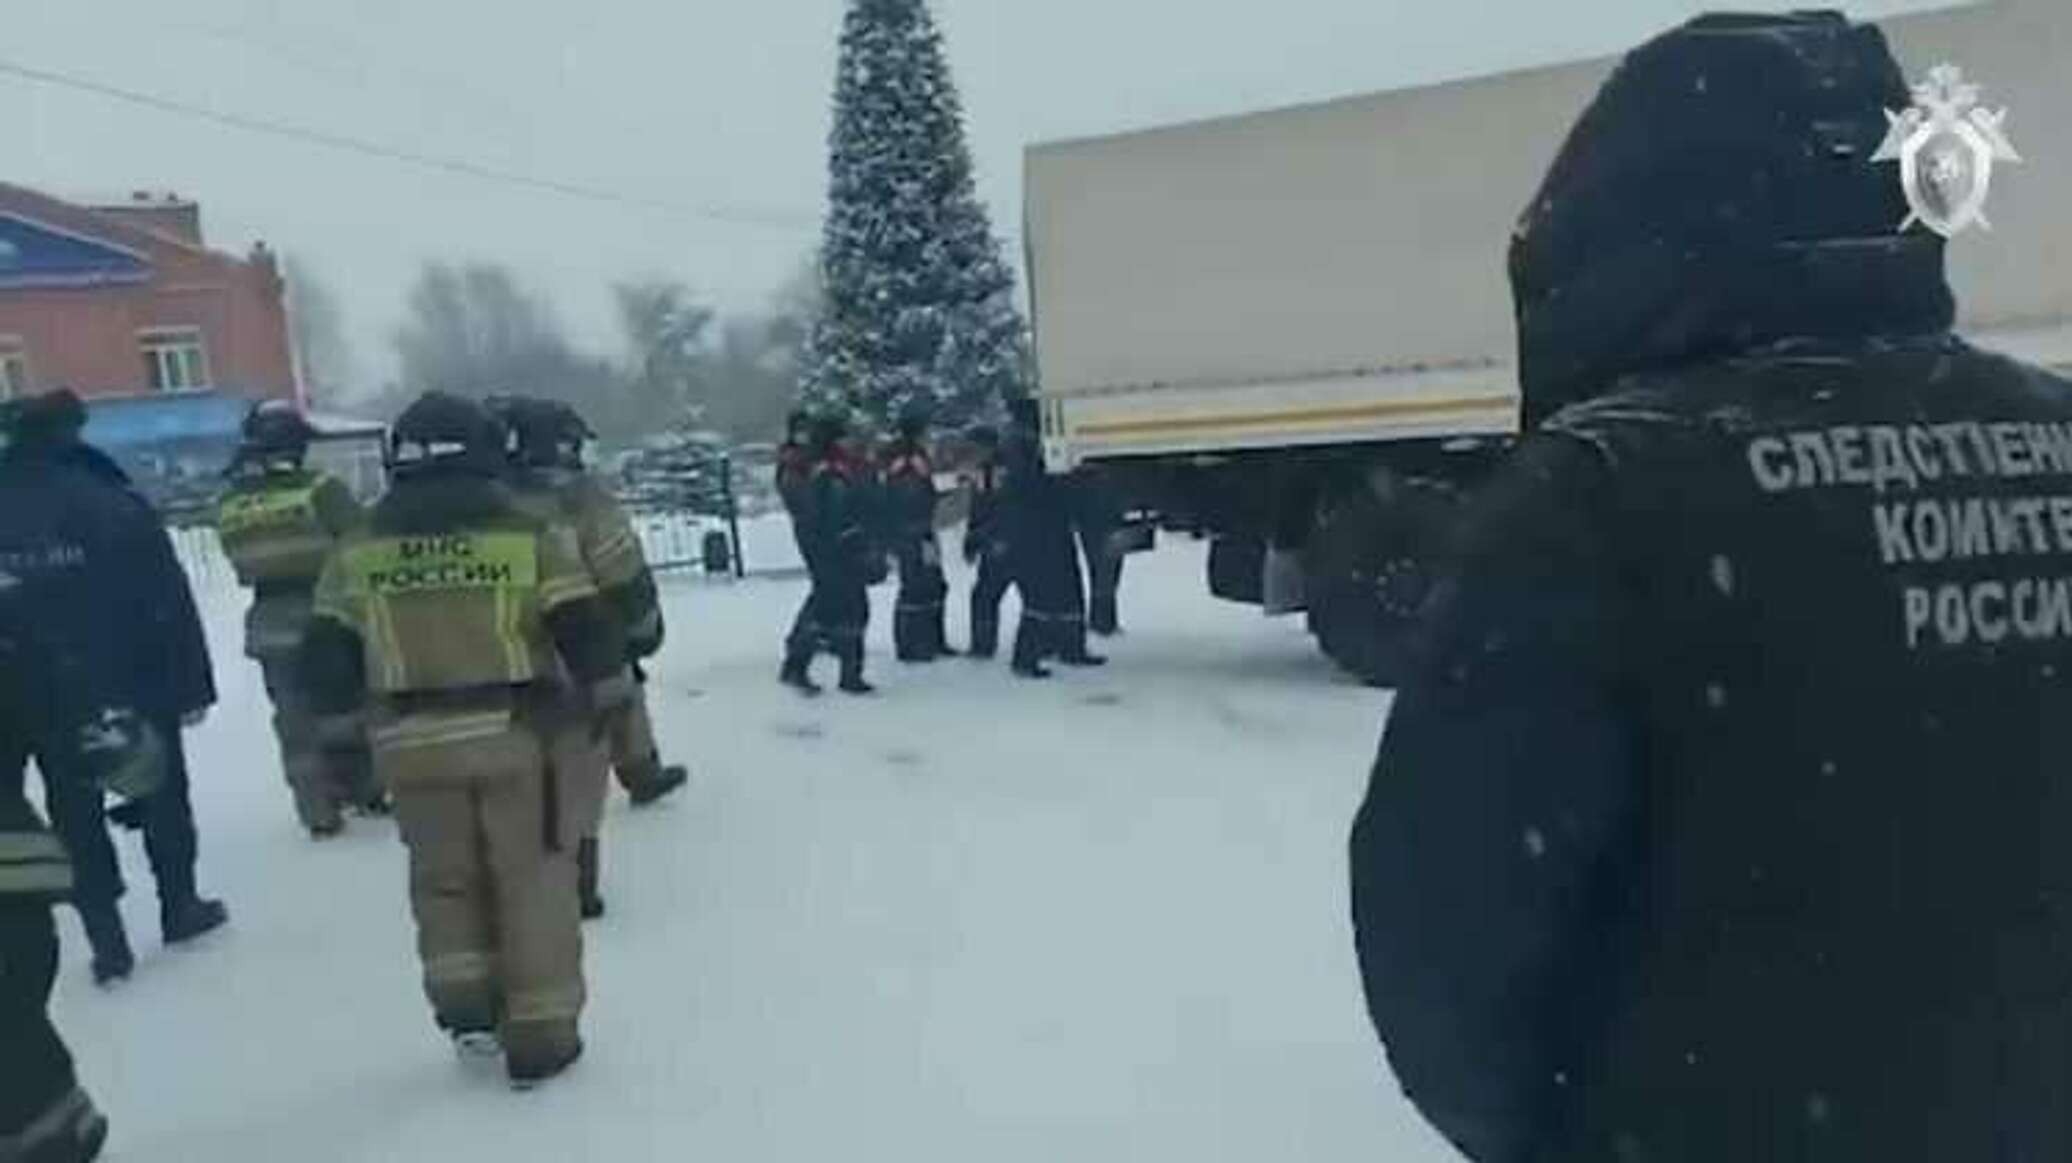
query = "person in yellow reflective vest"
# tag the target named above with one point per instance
(547, 474)
(278, 523)
(472, 637)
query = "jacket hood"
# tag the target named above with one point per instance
(1719, 195)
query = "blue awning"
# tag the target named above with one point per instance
(143, 422)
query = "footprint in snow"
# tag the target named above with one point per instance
(901, 757)
(800, 731)
(1103, 699)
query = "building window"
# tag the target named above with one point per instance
(175, 360)
(14, 368)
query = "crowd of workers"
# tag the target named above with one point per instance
(1026, 529)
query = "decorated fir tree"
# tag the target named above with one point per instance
(917, 307)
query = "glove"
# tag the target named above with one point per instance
(971, 551)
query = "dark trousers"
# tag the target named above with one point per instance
(995, 575)
(1053, 605)
(1103, 580)
(804, 639)
(836, 614)
(917, 623)
(79, 815)
(35, 1067)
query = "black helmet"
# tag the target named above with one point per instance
(1719, 194)
(827, 429)
(123, 754)
(275, 430)
(444, 429)
(546, 432)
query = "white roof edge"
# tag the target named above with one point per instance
(1469, 79)
(2049, 344)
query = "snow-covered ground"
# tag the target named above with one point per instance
(972, 919)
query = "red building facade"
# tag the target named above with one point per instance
(127, 301)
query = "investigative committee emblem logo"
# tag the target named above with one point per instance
(1946, 144)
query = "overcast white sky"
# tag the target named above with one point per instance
(695, 103)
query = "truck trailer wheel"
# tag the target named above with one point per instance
(1369, 569)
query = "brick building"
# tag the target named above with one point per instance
(127, 301)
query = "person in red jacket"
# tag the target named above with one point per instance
(910, 502)
(833, 527)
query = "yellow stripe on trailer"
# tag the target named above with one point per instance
(1298, 417)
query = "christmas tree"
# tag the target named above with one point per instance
(917, 305)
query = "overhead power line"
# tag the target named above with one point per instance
(760, 219)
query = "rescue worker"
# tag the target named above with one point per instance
(548, 477)
(471, 634)
(795, 459)
(1724, 815)
(910, 501)
(44, 1114)
(99, 577)
(794, 479)
(833, 531)
(1046, 562)
(986, 542)
(1097, 523)
(278, 523)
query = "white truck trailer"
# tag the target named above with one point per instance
(1293, 331)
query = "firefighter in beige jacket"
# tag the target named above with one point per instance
(546, 473)
(474, 638)
(279, 521)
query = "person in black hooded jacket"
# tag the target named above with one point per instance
(1725, 815)
(99, 575)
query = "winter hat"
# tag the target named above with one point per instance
(1720, 192)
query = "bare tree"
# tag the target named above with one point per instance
(665, 328)
(752, 373)
(473, 331)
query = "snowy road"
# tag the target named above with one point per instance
(1101, 919)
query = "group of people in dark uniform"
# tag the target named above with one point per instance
(851, 512)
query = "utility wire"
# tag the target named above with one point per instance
(765, 220)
